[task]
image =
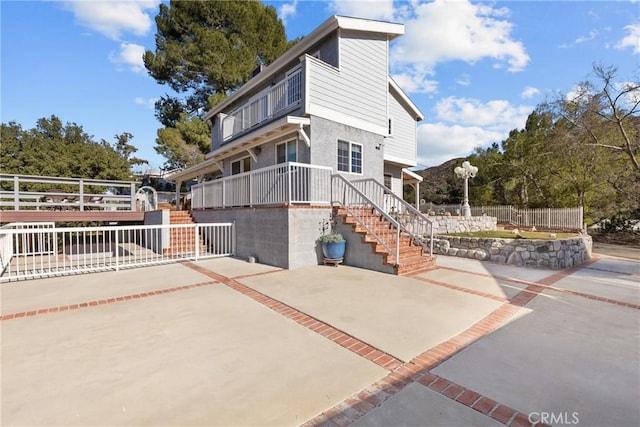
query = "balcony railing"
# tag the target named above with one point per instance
(263, 106)
(286, 183)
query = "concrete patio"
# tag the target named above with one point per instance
(223, 342)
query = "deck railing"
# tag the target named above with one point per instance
(410, 219)
(30, 192)
(264, 106)
(28, 253)
(367, 214)
(286, 183)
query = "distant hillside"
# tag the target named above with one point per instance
(440, 185)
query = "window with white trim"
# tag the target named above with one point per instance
(240, 166)
(349, 157)
(287, 151)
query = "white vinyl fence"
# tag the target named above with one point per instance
(28, 253)
(544, 218)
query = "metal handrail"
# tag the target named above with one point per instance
(368, 204)
(408, 207)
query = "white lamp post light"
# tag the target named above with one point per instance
(465, 172)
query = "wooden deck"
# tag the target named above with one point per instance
(70, 215)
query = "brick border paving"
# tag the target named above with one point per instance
(418, 369)
(328, 331)
(544, 284)
(401, 374)
(104, 301)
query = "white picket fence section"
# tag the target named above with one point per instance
(29, 252)
(286, 183)
(544, 218)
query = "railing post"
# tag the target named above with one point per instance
(196, 240)
(224, 191)
(233, 238)
(250, 176)
(16, 193)
(133, 196)
(289, 183)
(81, 193)
(117, 249)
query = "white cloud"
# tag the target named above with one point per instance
(130, 55)
(113, 18)
(496, 115)
(463, 124)
(371, 9)
(631, 40)
(592, 35)
(149, 103)
(529, 92)
(287, 10)
(415, 81)
(439, 142)
(441, 31)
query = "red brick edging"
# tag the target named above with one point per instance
(100, 302)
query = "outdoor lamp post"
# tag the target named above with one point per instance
(465, 172)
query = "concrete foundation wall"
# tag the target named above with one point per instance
(280, 236)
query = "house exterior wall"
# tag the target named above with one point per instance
(396, 178)
(401, 147)
(324, 147)
(356, 92)
(267, 155)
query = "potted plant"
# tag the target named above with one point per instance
(333, 244)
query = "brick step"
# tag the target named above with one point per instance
(415, 265)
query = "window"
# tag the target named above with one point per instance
(389, 127)
(387, 180)
(240, 166)
(349, 157)
(287, 152)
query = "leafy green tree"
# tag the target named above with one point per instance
(52, 148)
(205, 50)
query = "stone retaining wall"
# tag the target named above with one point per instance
(551, 254)
(459, 224)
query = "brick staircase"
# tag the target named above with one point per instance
(182, 240)
(412, 259)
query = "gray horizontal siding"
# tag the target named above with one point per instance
(359, 88)
(403, 143)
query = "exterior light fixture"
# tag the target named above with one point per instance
(465, 172)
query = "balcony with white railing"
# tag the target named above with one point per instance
(282, 184)
(264, 106)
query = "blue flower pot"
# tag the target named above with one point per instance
(334, 250)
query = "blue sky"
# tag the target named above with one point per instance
(475, 69)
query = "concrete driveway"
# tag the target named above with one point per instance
(223, 342)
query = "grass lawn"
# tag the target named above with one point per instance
(502, 234)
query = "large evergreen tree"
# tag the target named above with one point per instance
(204, 51)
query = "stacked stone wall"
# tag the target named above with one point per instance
(459, 224)
(529, 253)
